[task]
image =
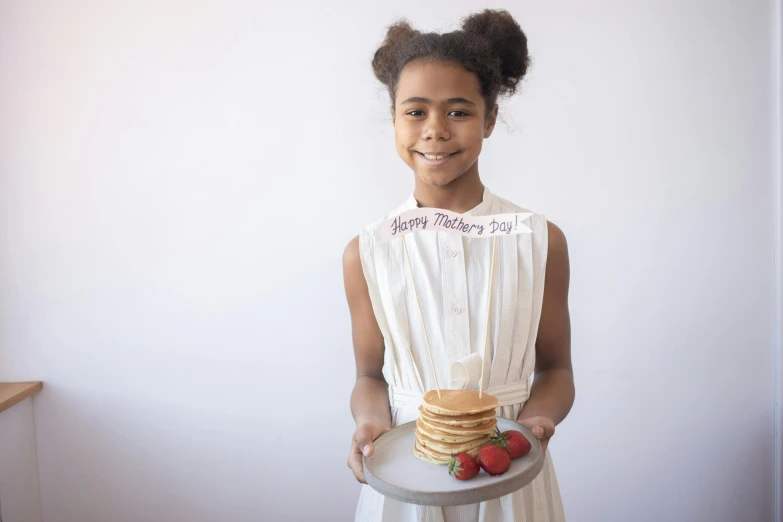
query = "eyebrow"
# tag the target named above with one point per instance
(418, 99)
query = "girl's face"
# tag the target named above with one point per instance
(440, 120)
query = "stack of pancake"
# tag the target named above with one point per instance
(458, 421)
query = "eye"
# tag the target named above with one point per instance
(415, 112)
(459, 114)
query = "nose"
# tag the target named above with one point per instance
(436, 128)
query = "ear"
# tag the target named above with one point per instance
(393, 114)
(489, 122)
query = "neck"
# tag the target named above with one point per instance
(459, 196)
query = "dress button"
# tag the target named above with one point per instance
(452, 253)
(457, 310)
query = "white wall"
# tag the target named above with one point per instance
(177, 183)
(20, 499)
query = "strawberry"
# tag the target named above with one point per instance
(512, 441)
(462, 466)
(494, 459)
(516, 443)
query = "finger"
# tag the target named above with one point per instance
(541, 427)
(363, 438)
(355, 463)
(547, 428)
(543, 432)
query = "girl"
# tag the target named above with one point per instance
(443, 90)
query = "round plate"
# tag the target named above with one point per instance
(394, 472)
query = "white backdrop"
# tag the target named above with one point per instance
(178, 181)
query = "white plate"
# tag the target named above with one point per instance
(394, 472)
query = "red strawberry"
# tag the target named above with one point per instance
(516, 443)
(462, 466)
(494, 459)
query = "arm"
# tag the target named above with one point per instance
(370, 399)
(552, 394)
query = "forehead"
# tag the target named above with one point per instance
(438, 80)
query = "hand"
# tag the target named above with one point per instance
(542, 427)
(362, 444)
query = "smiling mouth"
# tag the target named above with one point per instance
(437, 156)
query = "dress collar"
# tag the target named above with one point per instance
(479, 210)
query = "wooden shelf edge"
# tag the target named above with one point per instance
(12, 393)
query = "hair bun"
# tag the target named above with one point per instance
(507, 41)
(401, 31)
(384, 63)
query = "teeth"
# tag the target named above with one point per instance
(435, 157)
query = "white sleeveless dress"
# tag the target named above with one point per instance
(452, 275)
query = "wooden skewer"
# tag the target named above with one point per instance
(489, 305)
(421, 314)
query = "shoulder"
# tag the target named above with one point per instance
(557, 265)
(360, 250)
(351, 257)
(354, 269)
(369, 236)
(553, 236)
(557, 243)
(373, 227)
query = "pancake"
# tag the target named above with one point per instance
(441, 436)
(456, 422)
(434, 456)
(466, 421)
(455, 403)
(436, 428)
(450, 448)
(425, 455)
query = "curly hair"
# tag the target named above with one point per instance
(490, 44)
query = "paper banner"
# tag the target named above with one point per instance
(439, 219)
